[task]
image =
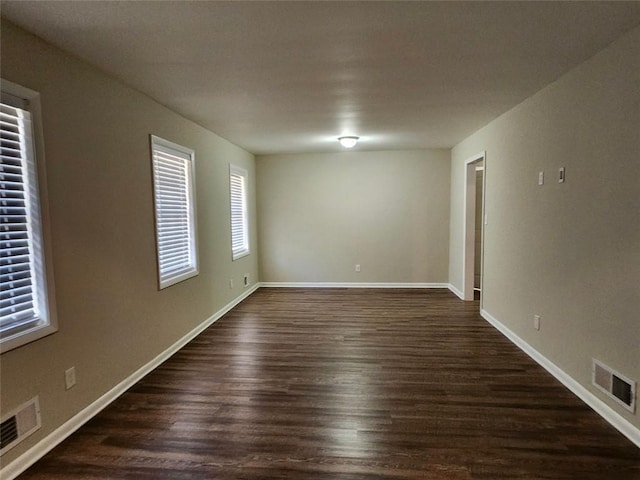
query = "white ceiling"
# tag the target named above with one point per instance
(277, 77)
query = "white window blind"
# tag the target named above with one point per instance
(24, 310)
(239, 217)
(173, 175)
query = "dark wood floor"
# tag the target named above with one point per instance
(346, 384)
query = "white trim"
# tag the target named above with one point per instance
(601, 408)
(40, 226)
(44, 446)
(458, 293)
(236, 171)
(238, 256)
(351, 285)
(468, 221)
(609, 393)
(159, 147)
(35, 401)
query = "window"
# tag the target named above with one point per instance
(239, 216)
(27, 312)
(173, 181)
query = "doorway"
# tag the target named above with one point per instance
(475, 181)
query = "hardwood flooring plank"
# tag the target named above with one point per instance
(346, 384)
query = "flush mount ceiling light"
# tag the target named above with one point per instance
(348, 142)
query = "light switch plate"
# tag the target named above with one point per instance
(70, 377)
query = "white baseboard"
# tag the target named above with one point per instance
(350, 285)
(44, 446)
(458, 293)
(601, 408)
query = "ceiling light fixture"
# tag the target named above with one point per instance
(348, 142)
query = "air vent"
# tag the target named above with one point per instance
(8, 432)
(615, 385)
(19, 424)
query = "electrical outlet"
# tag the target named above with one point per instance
(246, 280)
(70, 377)
(231, 283)
(357, 268)
(540, 178)
(536, 322)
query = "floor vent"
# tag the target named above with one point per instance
(615, 385)
(19, 424)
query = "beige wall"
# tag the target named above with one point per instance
(568, 252)
(321, 214)
(112, 317)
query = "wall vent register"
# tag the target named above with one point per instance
(614, 385)
(19, 424)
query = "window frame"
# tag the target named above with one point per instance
(192, 269)
(39, 228)
(235, 170)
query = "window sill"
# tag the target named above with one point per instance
(27, 336)
(237, 256)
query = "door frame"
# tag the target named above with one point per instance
(469, 228)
